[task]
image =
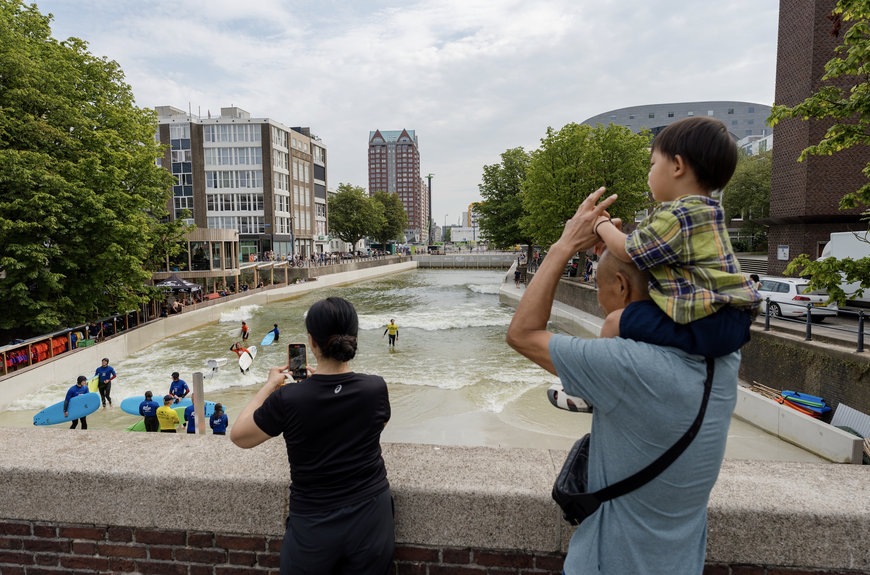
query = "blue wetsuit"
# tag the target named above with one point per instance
(219, 424)
(148, 409)
(178, 388)
(71, 393)
(189, 418)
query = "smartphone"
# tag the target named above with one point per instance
(297, 359)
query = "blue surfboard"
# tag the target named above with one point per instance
(131, 404)
(270, 337)
(79, 406)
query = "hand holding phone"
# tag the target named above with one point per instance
(297, 359)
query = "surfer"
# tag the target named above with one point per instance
(393, 330)
(218, 420)
(106, 374)
(148, 410)
(178, 388)
(275, 331)
(237, 347)
(244, 331)
(167, 416)
(189, 418)
(78, 389)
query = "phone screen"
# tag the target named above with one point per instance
(297, 360)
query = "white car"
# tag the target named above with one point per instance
(787, 299)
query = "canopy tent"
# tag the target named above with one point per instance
(177, 284)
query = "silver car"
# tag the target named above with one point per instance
(787, 299)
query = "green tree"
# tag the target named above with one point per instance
(353, 215)
(844, 100)
(501, 212)
(446, 234)
(395, 218)
(747, 195)
(80, 193)
(575, 161)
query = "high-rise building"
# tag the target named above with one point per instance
(254, 175)
(394, 167)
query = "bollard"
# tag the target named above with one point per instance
(198, 403)
(767, 314)
(860, 331)
(809, 323)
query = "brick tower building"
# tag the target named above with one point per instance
(805, 196)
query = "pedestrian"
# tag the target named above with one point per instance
(646, 397)
(78, 389)
(218, 420)
(517, 276)
(756, 281)
(341, 510)
(148, 410)
(167, 417)
(178, 388)
(393, 330)
(106, 374)
(244, 331)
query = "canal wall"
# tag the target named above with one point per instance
(467, 260)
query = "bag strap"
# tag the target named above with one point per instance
(649, 472)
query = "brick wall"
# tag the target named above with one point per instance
(37, 548)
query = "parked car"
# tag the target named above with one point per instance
(572, 267)
(787, 299)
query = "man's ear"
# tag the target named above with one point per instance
(624, 287)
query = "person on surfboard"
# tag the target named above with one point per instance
(237, 347)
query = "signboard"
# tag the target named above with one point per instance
(782, 253)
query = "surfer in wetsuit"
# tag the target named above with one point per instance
(237, 347)
(78, 389)
(393, 330)
(244, 331)
(148, 410)
(106, 374)
(178, 388)
(275, 331)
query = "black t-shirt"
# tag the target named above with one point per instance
(332, 425)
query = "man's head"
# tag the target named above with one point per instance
(148, 395)
(167, 399)
(81, 380)
(704, 145)
(105, 361)
(620, 283)
(175, 375)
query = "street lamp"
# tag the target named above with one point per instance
(429, 215)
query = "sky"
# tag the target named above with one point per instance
(473, 77)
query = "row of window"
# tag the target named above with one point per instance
(245, 224)
(234, 202)
(730, 111)
(247, 156)
(234, 179)
(231, 133)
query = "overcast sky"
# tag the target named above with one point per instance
(473, 78)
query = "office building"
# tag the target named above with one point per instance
(394, 167)
(253, 175)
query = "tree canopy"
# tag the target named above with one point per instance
(500, 214)
(353, 215)
(395, 218)
(575, 161)
(844, 99)
(80, 193)
(747, 195)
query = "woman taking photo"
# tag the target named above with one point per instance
(341, 510)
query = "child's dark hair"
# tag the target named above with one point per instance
(705, 145)
(333, 325)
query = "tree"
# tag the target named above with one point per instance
(844, 99)
(395, 218)
(446, 234)
(353, 215)
(747, 195)
(501, 212)
(80, 193)
(575, 161)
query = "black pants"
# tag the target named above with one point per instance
(105, 392)
(392, 339)
(152, 423)
(75, 422)
(352, 540)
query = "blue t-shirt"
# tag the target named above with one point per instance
(189, 418)
(178, 388)
(71, 393)
(105, 373)
(219, 424)
(645, 399)
(148, 408)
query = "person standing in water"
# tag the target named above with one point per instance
(78, 389)
(393, 330)
(106, 373)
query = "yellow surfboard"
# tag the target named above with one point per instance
(94, 384)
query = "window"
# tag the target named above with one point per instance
(731, 110)
(690, 114)
(670, 114)
(652, 114)
(631, 116)
(710, 112)
(750, 121)
(751, 109)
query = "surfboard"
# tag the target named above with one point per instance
(79, 406)
(131, 404)
(235, 332)
(816, 411)
(804, 398)
(246, 359)
(270, 337)
(209, 410)
(94, 384)
(215, 363)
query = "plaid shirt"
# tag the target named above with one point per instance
(693, 272)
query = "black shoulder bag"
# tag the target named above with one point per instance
(569, 491)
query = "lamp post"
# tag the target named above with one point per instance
(429, 215)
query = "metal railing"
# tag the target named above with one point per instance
(808, 320)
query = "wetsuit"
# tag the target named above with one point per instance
(106, 375)
(393, 330)
(189, 418)
(71, 393)
(219, 423)
(148, 410)
(178, 389)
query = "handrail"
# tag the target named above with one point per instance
(859, 332)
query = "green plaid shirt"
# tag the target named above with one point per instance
(693, 272)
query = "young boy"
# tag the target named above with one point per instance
(700, 301)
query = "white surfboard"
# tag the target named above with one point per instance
(246, 359)
(217, 362)
(235, 332)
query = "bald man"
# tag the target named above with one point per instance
(645, 398)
